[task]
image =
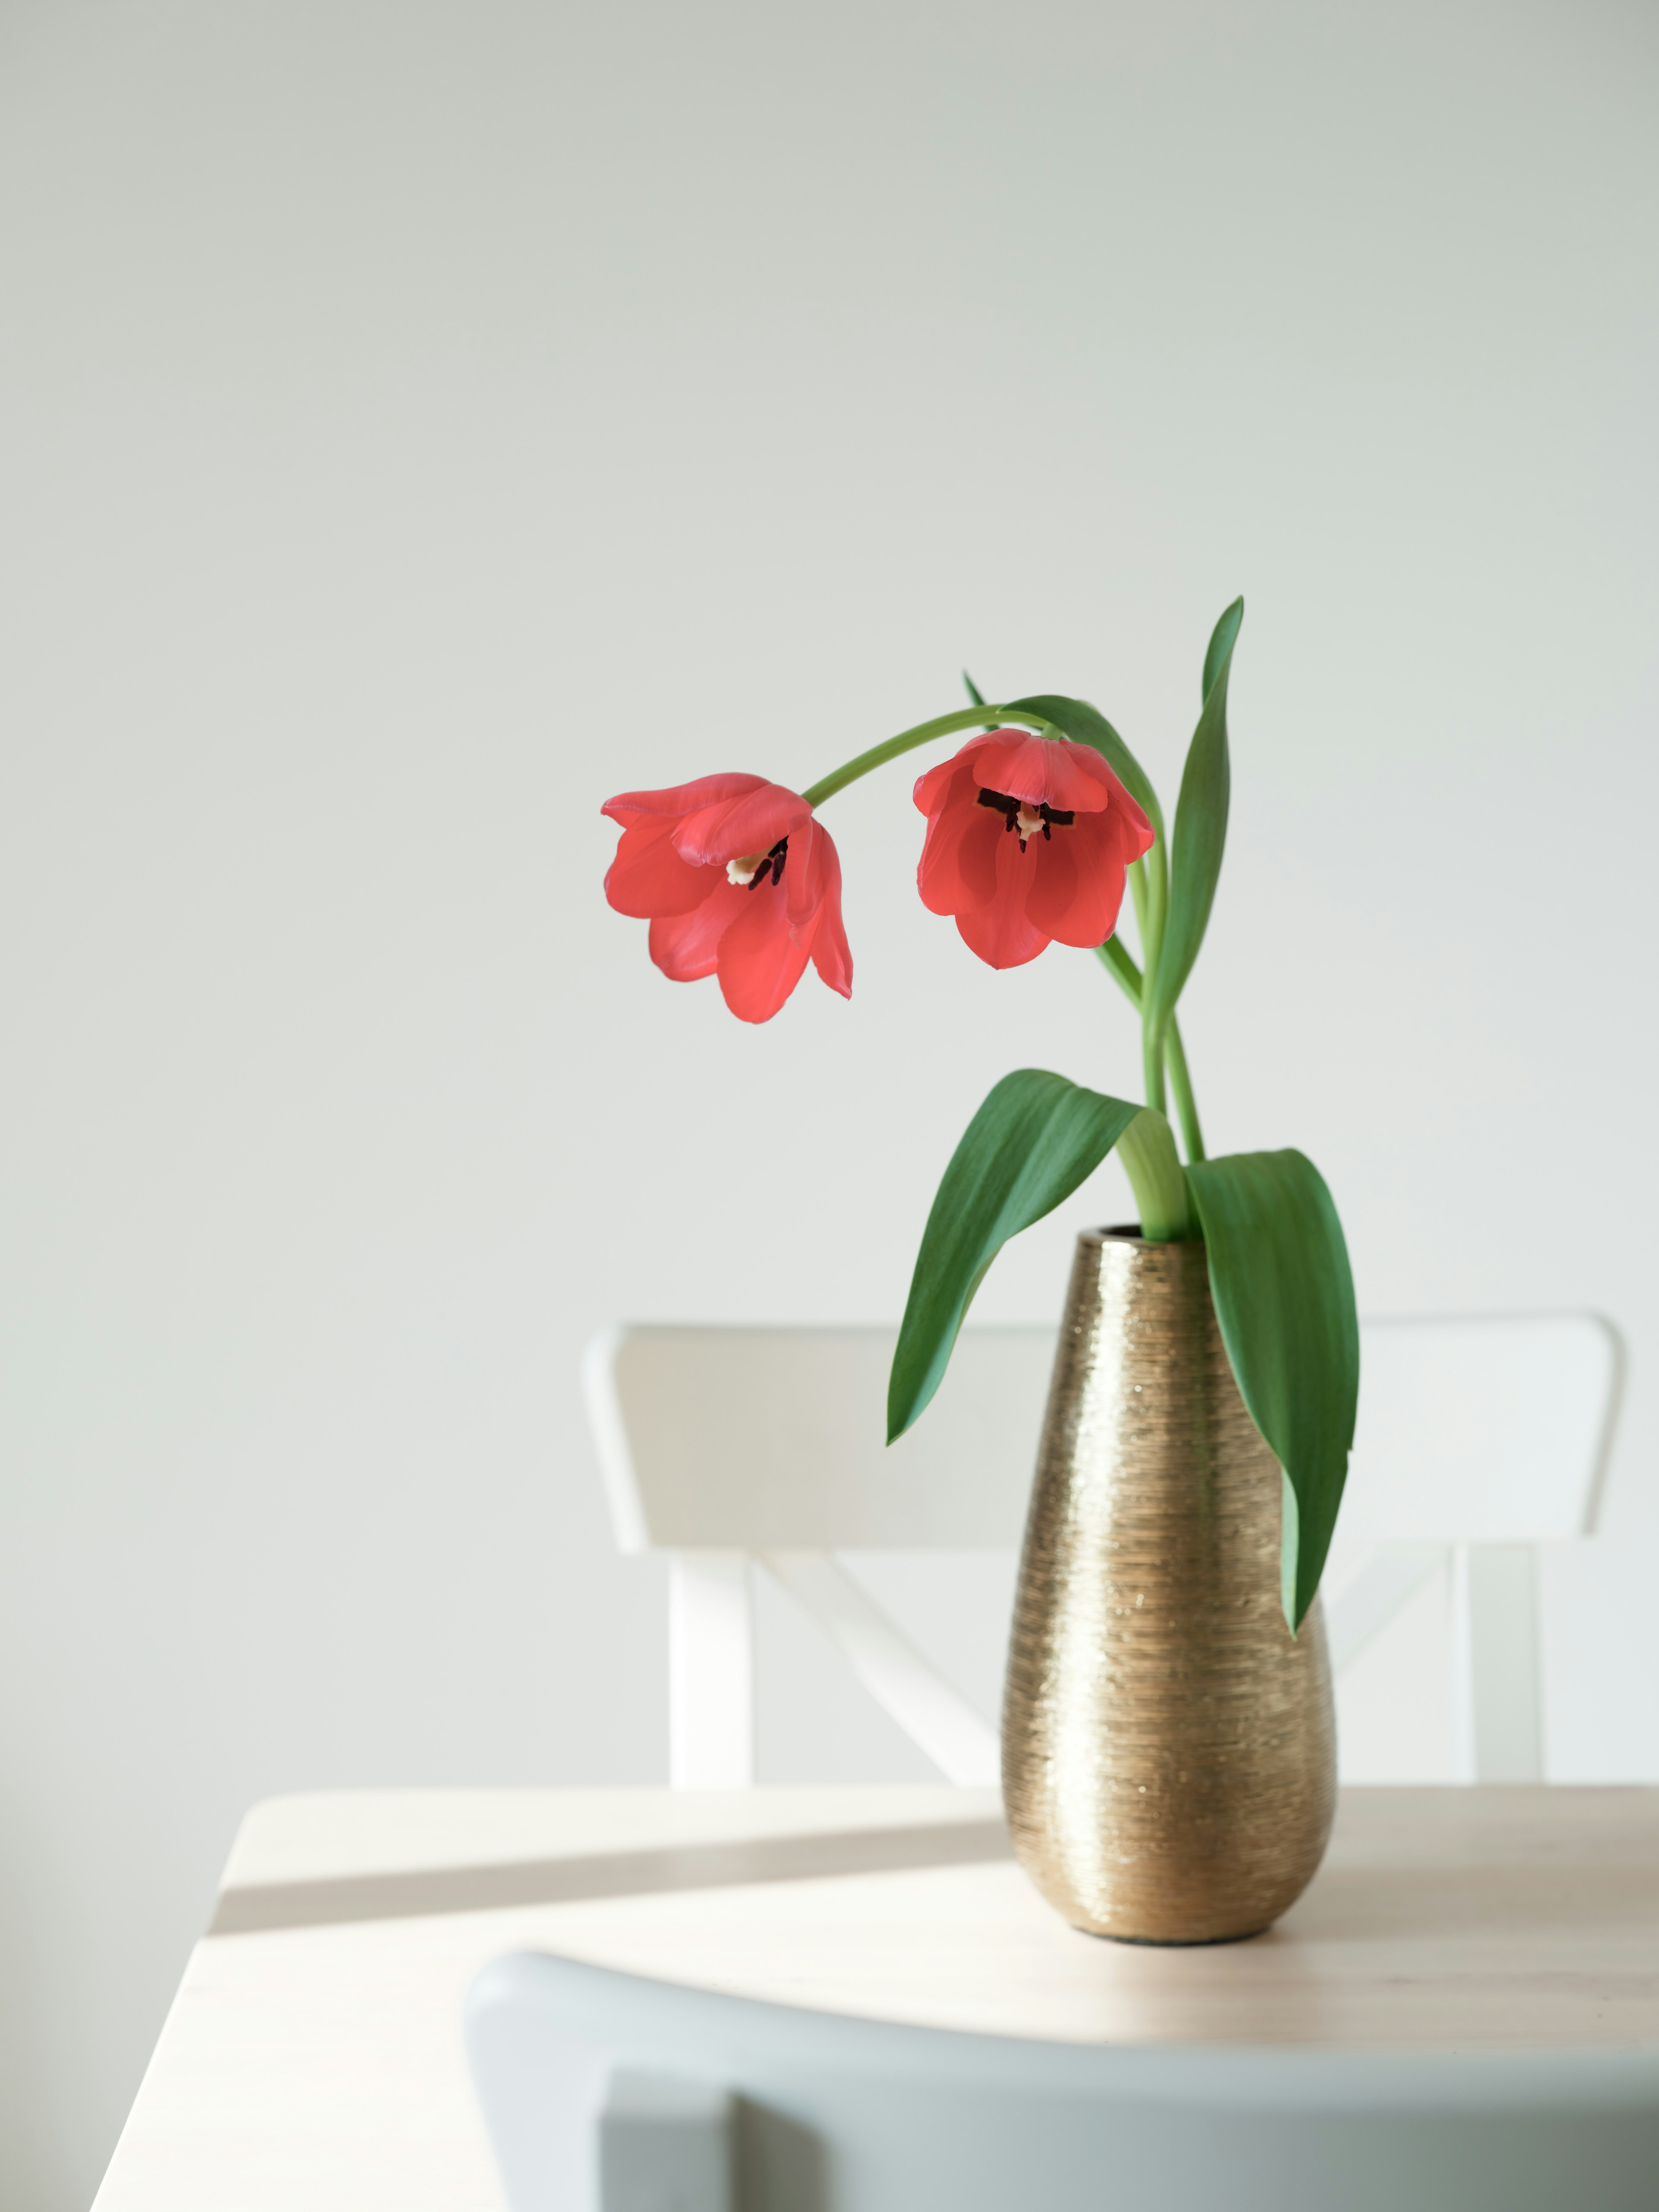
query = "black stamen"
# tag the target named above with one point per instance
(1053, 817)
(772, 865)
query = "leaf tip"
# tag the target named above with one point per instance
(1223, 638)
(1290, 1531)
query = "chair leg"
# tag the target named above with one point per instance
(664, 2145)
(711, 1672)
(902, 1682)
(1500, 1720)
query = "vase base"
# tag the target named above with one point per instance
(1174, 1943)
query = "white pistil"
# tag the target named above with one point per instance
(741, 873)
(1028, 821)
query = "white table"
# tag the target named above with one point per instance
(313, 2057)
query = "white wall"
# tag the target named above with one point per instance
(417, 422)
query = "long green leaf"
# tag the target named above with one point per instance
(1086, 726)
(1033, 1141)
(1284, 1296)
(1223, 638)
(1200, 829)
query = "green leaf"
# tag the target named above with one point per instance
(1223, 638)
(1200, 829)
(1086, 726)
(974, 691)
(1033, 1141)
(1284, 1296)
(1116, 958)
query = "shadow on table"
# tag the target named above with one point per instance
(420, 1892)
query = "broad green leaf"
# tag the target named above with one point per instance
(1200, 828)
(1284, 1296)
(1086, 726)
(1033, 1141)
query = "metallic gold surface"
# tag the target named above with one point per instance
(1168, 1749)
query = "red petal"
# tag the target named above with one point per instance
(751, 822)
(649, 876)
(930, 789)
(1001, 931)
(957, 870)
(1048, 772)
(1001, 936)
(1078, 885)
(684, 946)
(761, 960)
(806, 872)
(827, 939)
(1134, 827)
(630, 807)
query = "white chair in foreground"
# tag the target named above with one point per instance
(606, 2091)
(1479, 1440)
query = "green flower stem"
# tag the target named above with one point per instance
(1147, 1150)
(1137, 874)
(1119, 964)
(1174, 1059)
(943, 726)
(1149, 881)
(1157, 906)
(1115, 957)
(1151, 1070)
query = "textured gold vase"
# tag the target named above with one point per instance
(1168, 1748)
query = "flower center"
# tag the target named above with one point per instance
(750, 873)
(1025, 819)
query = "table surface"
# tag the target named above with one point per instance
(314, 2056)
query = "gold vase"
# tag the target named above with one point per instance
(1168, 1748)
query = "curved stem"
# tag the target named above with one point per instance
(1158, 906)
(1149, 879)
(1152, 1069)
(943, 726)
(1119, 963)
(1137, 874)
(1115, 957)
(1174, 1059)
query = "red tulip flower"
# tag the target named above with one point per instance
(1028, 840)
(738, 879)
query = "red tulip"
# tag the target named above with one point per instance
(1028, 838)
(738, 879)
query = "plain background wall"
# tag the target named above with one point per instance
(418, 423)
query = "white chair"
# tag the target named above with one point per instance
(1479, 1440)
(606, 2091)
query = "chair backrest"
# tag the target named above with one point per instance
(774, 1439)
(1479, 1438)
(618, 2093)
(1481, 1428)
